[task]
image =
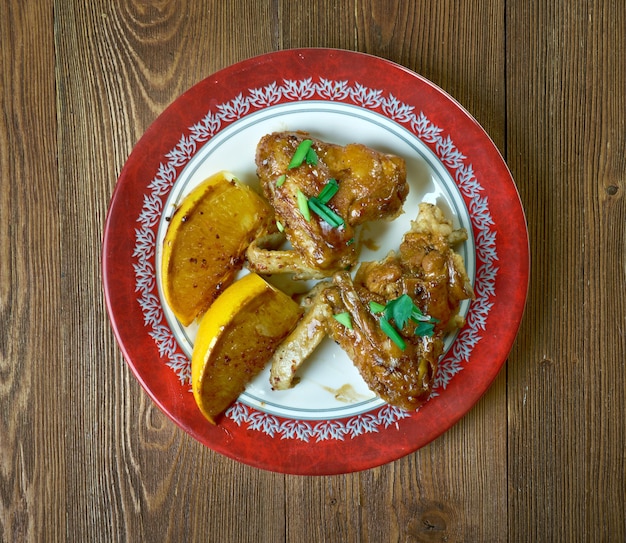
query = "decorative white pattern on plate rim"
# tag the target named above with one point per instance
(334, 91)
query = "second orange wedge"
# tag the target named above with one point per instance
(236, 338)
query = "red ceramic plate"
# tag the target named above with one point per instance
(330, 422)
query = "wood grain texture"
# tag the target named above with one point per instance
(134, 472)
(32, 460)
(566, 120)
(86, 455)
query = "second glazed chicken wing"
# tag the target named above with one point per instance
(397, 360)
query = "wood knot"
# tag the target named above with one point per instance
(612, 190)
(430, 523)
(546, 362)
(434, 520)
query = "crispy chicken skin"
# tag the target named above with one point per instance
(301, 342)
(403, 378)
(430, 272)
(372, 186)
(426, 268)
(434, 276)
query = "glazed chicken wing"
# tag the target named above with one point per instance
(370, 186)
(427, 270)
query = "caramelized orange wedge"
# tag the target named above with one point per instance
(236, 338)
(205, 243)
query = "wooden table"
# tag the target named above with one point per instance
(84, 453)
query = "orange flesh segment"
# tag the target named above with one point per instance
(205, 243)
(236, 338)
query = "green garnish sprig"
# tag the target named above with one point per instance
(303, 205)
(344, 318)
(319, 207)
(325, 213)
(304, 153)
(317, 204)
(330, 189)
(401, 311)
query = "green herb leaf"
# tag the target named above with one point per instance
(300, 154)
(400, 310)
(311, 157)
(325, 213)
(375, 307)
(426, 329)
(303, 205)
(280, 226)
(345, 319)
(329, 190)
(281, 180)
(392, 333)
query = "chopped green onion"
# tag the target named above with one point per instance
(280, 226)
(350, 241)
(281, 180)
(345, 319)
(303, 205)
(392, 334)
(311, 157)
(329, 190)
(375, 307)
(319, 207)
(300, 154)
(325, 213)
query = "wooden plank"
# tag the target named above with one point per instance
(135, 475)
(32, 467)
(565, 142)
